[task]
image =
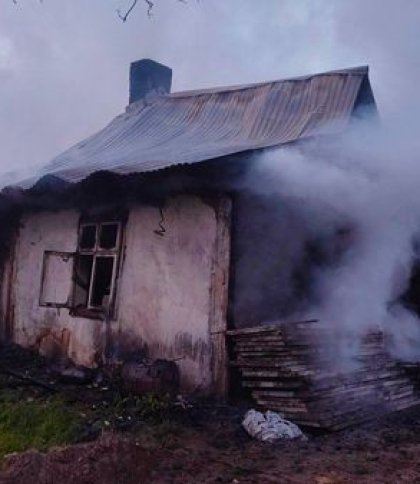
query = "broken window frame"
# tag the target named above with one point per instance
(96, 251)
(43, 302)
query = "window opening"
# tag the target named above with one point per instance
(82, 277)
(102, 281)
(96, 263)
(84, 280)
(87, 238)
(108, 237)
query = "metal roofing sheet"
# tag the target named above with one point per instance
(195, 126)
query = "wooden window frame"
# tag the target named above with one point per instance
(98, 220)
(92, 311)
(43, 302)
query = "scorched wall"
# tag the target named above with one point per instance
(164, 290)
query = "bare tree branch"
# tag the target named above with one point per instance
(16, 1)
(125, 16)
(150, 4)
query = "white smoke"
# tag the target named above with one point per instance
(367, 180)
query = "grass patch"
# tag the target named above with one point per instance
(40, 424)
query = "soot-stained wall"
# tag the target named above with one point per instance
(164, 295)
(268, 247)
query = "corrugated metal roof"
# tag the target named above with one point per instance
(194, 126)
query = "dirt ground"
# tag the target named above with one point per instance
(218, 450)
(197, 443)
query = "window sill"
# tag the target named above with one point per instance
(88, 313)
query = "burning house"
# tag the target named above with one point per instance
(142, 239)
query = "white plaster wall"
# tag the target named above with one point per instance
(163, 293)
(40, 232)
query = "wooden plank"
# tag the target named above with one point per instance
(281, 348)
(273, 327)
(259, 384)
(285, 384)
(261, 339)
(406, 404)
(267, 393)
(284, 408)
(292, 370)
(255, 373)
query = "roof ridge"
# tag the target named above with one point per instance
(359, 70)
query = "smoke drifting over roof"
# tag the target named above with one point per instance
(64, 74)
(357, 198)
(64, 66)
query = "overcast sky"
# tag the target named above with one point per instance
(64, 63)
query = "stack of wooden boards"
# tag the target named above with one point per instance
(302, 371)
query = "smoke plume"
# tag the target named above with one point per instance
(360, 193)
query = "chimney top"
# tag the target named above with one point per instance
(147, 76)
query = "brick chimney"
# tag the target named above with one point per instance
(147, 76)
